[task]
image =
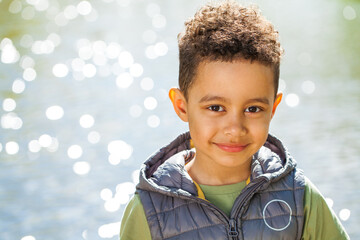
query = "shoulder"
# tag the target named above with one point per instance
(134, 208)
(313, 199)
(311, 190)
(135, 202)
(320, 222)
(134, 224)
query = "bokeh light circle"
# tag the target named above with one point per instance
(45, 140)
(94, 137)
(106, 194)
(18, 86)
(120, 148)
(12, 148)
(28, 237)
(89, 70)
(124, 80)
(9, 104)
(54, 112)
(136, 70)
(60, 70)
(344, 214)
(153, 121)
(135, 111)
(81, 168)
(86, 121)
(34, 146)
(292, 100)
(74, 152)
(29, 74)
(125, 59)
(84, 8)
(308, 87)
(158, 21)
(150, 103)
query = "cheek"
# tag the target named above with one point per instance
(201, 119)
(260, 128)
(202, 126)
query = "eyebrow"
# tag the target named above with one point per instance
(209, 98)
(262, 100)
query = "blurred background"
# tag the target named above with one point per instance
(83, 102)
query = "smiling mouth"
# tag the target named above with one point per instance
(231, 147)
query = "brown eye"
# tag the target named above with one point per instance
(216, 108)
(253, 109)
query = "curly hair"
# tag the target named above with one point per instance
(227, 32)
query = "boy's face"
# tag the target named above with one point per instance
(229, 109)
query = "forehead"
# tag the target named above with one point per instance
(237, 79)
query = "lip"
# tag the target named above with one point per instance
(227, 147)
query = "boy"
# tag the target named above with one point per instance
(231, 179)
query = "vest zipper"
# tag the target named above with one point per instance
(250, 193)
(241, 202)
(232, 230)
(233, 233)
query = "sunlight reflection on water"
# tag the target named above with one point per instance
(84, 102)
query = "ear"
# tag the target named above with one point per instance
(179, 103)
(276, 103)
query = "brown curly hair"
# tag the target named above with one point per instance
(227, 32)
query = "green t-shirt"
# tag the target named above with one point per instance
(319, 220)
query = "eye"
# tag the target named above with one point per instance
(216, 108)
(253, 109)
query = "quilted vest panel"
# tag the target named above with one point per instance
(274, 210)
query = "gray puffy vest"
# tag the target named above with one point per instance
(269, 207)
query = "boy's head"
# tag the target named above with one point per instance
(229, 69)
(227, 32)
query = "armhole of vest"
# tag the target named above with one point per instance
(296, 174)
(296, 203)
(157, 216)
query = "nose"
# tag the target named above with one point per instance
(235, 127)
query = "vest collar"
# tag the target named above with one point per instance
(164, 171)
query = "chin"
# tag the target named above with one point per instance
(232, 163)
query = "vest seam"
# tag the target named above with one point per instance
(157, 216)
(283, 190)
(194, 230)
(295, 202)
(185, 204)
(261, 218)
(181, 182)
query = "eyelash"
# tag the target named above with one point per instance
(221, 109)
(258, 109)
(211, 108)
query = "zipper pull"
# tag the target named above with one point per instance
(232, 228)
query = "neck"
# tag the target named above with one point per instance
(208, 174)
